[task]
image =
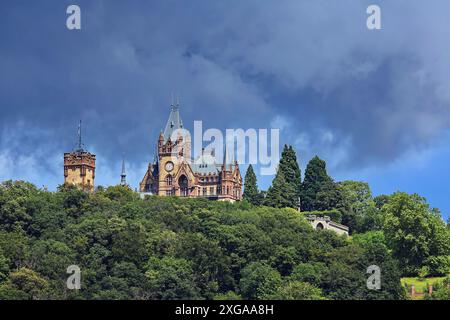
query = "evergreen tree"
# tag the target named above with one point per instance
(318, 192)
(291, 170)
(277, 195)
(251, 193)
(285, 189)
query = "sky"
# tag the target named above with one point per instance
(374, 104)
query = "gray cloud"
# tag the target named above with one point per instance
(354, 96)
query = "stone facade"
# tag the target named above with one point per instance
(320, 223)
(174, 173)
(79, 169)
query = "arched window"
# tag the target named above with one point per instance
(319, 226)
(169, 180)
(184, 186)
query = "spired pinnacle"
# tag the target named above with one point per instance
(123, 175)
(174, 122)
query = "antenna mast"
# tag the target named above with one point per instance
(80, 143)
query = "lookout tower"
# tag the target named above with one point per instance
(79, 166)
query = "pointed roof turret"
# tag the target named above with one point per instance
(123, 176)
(174, 122)
(226, 157)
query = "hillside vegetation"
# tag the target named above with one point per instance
(172, 248)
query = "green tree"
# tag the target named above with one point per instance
(370, 238)
(24, 284)
(441, 291)
(259, 281)
(312, 272)
(415, 233)
(251, 192)
(318, 191)
(291, 170)
(285, 188)
(359, 210)
(120, 193)
(171, 278)
(279, 193)
(51, 258)
(129, 244)
(381, 200)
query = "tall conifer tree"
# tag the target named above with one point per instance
(319, 192)
(251, 193)
(291, 170)
(276, 195)
(285, 189)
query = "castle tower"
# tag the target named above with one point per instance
(79, 166)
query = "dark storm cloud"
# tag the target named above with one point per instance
(357, 96)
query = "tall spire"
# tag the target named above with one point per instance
(174, 122)
(123, 176)
(225, 157)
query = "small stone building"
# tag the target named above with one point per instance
(325, 223)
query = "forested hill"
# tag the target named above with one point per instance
(172, 248)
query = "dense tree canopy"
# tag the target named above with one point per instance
(173, 248)
(417, 235)
(358, 207)
(181, 248)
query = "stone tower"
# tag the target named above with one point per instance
(79, 166)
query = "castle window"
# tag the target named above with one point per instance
(211, 190)
(204, 191)
(219, 190)
(184, 186)
(228, 190)
(169, 180)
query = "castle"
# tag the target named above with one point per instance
(175, 173)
